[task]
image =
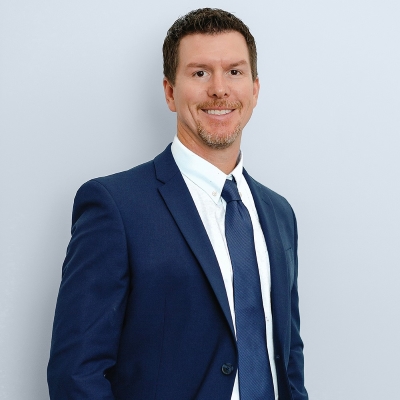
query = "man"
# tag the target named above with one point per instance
(175, 286)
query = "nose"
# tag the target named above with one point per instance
(218, 86)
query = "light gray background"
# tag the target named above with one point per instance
(81, 96)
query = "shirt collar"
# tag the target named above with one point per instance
(202, 173)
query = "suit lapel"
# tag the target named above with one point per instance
(182, 208)
(280, 294)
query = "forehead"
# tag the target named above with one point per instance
(204, 48)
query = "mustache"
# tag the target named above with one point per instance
(220, 104)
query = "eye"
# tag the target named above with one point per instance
(235, 72)
(200, 74)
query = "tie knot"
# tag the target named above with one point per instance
(230, 191)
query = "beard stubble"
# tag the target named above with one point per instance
(213, 139)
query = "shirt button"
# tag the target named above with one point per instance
(214, 193)
(227, 369)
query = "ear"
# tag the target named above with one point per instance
(256, 91)
(169, 95)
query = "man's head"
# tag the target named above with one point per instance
(210, 80)
(209, 21)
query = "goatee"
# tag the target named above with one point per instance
(218, 141)
(215, 140)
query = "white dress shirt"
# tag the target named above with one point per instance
(205, 183)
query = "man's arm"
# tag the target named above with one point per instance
(295, 369)
(91, 301)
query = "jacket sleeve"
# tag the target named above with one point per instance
(91, 301)
(295, 369)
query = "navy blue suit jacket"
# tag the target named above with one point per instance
(142, 311)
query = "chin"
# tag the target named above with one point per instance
(221, 140)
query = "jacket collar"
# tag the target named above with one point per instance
(280, 288)
(182, 208)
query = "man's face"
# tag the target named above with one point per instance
(214, 93)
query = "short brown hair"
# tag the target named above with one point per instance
(208, 21)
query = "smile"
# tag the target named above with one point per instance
(218, 112)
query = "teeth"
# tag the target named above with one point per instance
(218, 112)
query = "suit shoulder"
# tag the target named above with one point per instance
(136, 174)
(276, 199)
(136, 177)
(282, 210)
(120, 189)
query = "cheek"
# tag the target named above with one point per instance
(185, 101)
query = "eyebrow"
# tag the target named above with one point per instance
(238, 64)
(233, 65)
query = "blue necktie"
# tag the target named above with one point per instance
(255, 379)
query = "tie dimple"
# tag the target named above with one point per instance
(230, 191)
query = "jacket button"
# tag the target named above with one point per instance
(277, 357)
(227, 369)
